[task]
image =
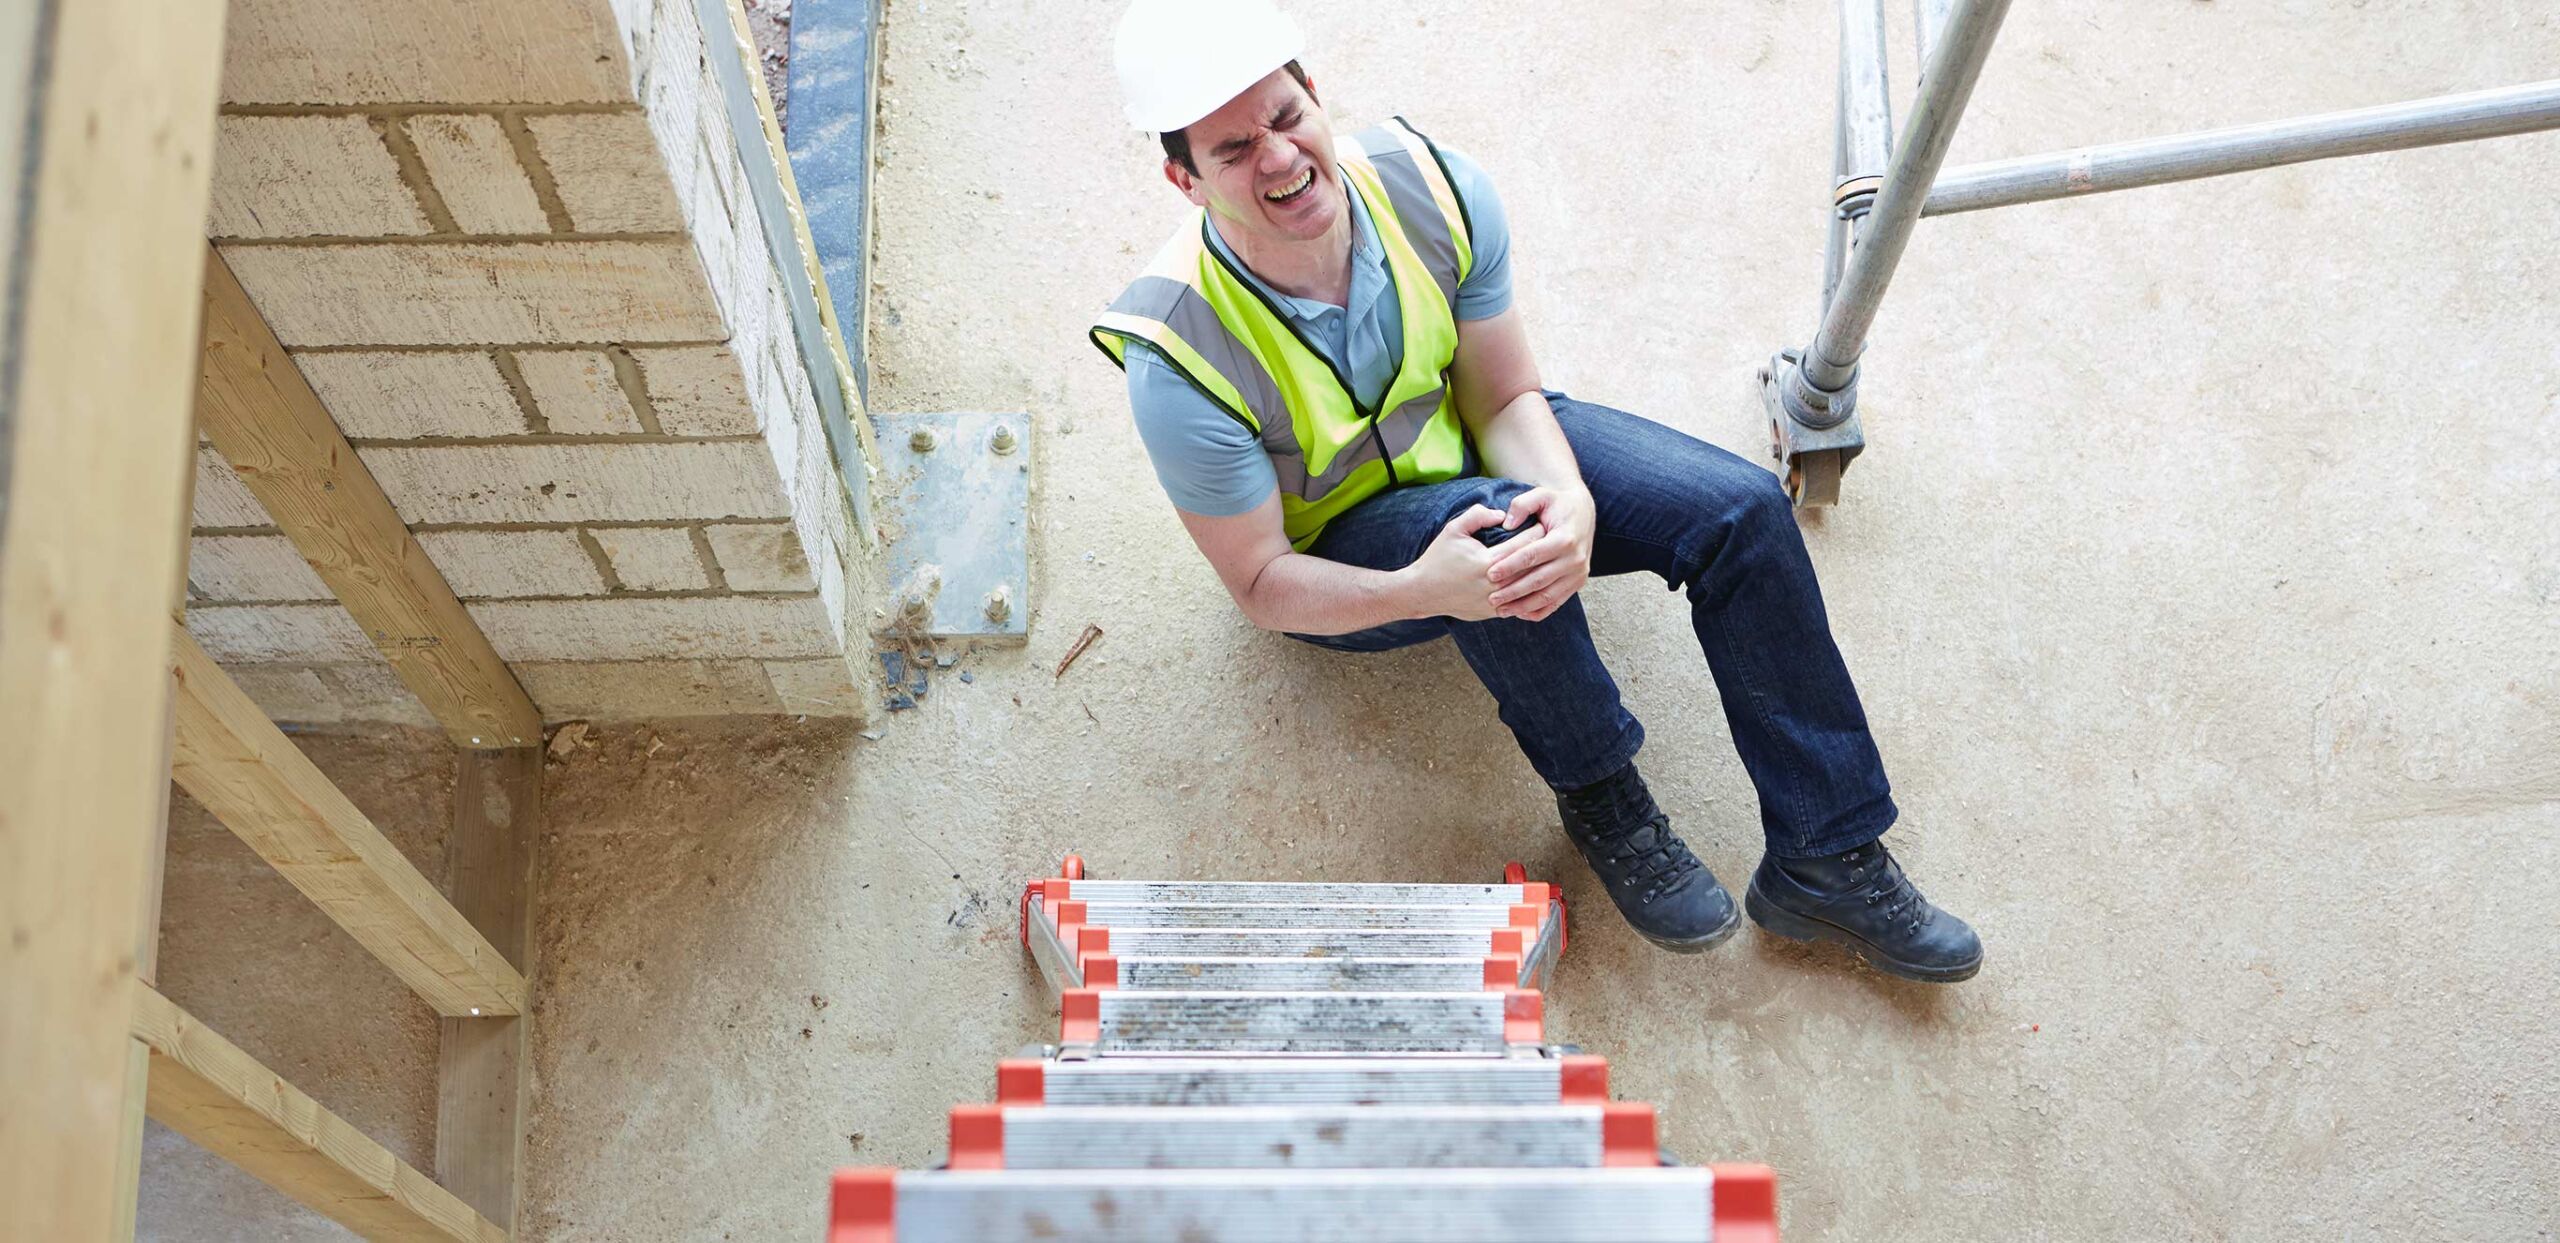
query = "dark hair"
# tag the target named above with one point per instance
(1177, 143)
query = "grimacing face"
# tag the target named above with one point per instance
(1265, 164)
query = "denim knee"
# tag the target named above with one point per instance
(1747, 512)
(1491, 492)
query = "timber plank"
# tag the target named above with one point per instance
(252, 778)
(109, 111)
(205, 1088)
(262, 415)
(484, 1066)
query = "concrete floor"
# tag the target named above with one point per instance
(2202, 582)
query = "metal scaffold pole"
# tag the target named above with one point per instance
(1862, 142)
(1812, 395)
(2244, 148)
(1882, 186)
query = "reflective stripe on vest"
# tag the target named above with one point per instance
(1219, 332)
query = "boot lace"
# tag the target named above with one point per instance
(1876, 872)
(1647, 854)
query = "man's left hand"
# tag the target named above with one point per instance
(1534, 577)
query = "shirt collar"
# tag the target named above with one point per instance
(1368, 267)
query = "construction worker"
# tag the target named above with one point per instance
(1336, 391)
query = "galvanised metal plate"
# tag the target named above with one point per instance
(1304, 894)
(1289, 975)
(1306, 1081)
(1296, 1206)
(1302, 1137)
(956, 500)
(1147, 1022)
(1118, 915)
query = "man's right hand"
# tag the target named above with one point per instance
(1450, 578)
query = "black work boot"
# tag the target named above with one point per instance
(1861, 899)
(1667, 896)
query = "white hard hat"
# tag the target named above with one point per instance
(1180, 60)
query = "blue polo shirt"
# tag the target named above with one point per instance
(1209, 463)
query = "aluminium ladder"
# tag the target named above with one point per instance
(1301, 1063)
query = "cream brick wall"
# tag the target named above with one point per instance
(382, 396)
(512, 247)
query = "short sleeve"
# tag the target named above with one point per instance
(1209, 463)
(1487, 290)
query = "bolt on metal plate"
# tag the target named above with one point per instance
(957, 495)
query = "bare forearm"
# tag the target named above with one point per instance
(1522, 441)
(1300, 594)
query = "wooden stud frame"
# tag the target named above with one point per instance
(205, 1088)
(253, 779)
(263, 416)
(98, 363)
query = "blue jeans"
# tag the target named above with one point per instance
(1709, 523)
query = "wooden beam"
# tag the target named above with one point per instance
(99, 307)
(146, 968)
(259, 411)
(205, 1088)
(253, 779)
(484, 1066)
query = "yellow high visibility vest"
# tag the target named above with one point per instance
(1330, 451)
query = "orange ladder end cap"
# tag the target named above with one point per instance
(1501, 972)
(864, 1208)
(1627, 1135)
(1079, 1016)
(1101, 970)
(1524, 1017)
(1584, 1080)
(1744, 1203)
(1022, 1081)
(977, 1137)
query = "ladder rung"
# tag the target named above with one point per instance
(1313, 942)
(1299, 893)
(1115, 1021)
(1062, 937)
(1538, 1080)
(1117, 915)
(1673, 1205)
(1306, 1137)
(1280, 975)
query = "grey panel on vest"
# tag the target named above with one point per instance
(1425, 225)
(1182, 309)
